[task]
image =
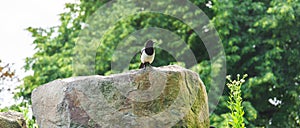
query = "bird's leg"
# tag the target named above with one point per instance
(142, 65)
(147, 64)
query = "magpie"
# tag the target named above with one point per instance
(147, 54)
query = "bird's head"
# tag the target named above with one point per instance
(149, 44)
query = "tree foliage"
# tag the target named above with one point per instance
(260, 38)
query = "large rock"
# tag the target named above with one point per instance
(12, 120)
(168, 96)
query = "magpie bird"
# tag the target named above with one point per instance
(147, 54)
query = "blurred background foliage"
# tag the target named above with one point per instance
(6, 72)
(8, 77)
(260, 38)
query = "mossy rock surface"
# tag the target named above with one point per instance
(168, 96)
(12, 119)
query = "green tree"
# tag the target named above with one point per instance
(54, 46)
(260, 39)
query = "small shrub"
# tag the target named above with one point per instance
(27, 112)
(235, 102)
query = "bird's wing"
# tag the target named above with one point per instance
(139, 52)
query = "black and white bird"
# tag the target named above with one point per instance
(147, 54)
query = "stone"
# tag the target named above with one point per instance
(169, 96)
(12, 119)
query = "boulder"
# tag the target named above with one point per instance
(169, 96)
(12, 120)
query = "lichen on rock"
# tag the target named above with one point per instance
(168, 96)
(12, 119)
